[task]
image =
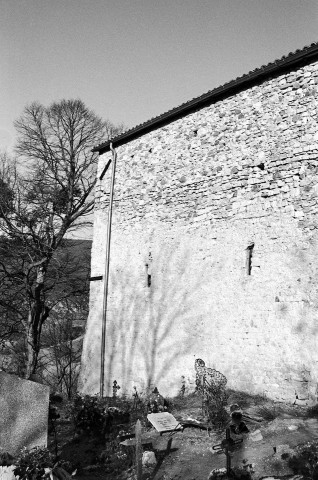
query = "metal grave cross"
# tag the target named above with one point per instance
(227, 445)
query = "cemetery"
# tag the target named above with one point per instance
(207, 367)
(212, 433)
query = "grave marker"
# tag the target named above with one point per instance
(164, 422)
(138, 451)
(24, 407)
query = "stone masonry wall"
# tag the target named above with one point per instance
(214, 248)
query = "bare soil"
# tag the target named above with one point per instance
(189, 455)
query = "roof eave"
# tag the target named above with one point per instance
(241, 83)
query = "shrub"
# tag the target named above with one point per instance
(5, 459)
(88, 413)
(92, 414)
(31, 464)
(312, 412)
(305, 460)
(268, 412)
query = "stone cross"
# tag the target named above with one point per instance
(116, 387)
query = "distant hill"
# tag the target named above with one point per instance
(68, 273)
(80, 250)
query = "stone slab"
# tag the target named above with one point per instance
(24, 407)
(164, 422)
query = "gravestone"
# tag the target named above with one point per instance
(164, 422)
(24, 407)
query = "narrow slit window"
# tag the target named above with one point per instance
(249, 256)
(148, 275)
(148, 269)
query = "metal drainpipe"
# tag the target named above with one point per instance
(106, 275)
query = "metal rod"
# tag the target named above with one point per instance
(106, 276)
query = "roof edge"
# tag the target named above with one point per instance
(304, 55)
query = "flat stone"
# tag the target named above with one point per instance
(256, 436)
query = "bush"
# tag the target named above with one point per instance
(5, 459)
(92, 414)
(88, 413)
(31, 464)
(312, 412)
(268, 412)
(306, 459)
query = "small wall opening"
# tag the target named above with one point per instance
(148, 271)
(249, 256)
(148, 276)
(261, 166)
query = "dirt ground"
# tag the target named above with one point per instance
(274, 429)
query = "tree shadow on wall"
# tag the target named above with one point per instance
(150, 326)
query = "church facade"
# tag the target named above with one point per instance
(214, 241)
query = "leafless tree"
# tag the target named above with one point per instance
(62, 346)
(45, 195)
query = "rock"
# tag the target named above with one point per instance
(148, 459)
(217, 473)
(256, 436)
(281, 449)
(261, 156)
(292, 428)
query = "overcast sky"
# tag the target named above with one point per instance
(130, 60)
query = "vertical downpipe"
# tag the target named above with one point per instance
(106, 275)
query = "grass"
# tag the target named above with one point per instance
(245, 400)
(268, 412)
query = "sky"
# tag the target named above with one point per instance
(131, 60)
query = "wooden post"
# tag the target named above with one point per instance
(138, 451)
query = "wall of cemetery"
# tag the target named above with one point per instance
(214, 248)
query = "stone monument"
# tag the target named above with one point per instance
(24, 407)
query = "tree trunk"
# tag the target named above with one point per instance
(38, 313)
(32, 355)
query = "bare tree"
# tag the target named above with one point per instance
(62, 346)
(52, 196)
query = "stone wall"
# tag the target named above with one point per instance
(214, 247)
